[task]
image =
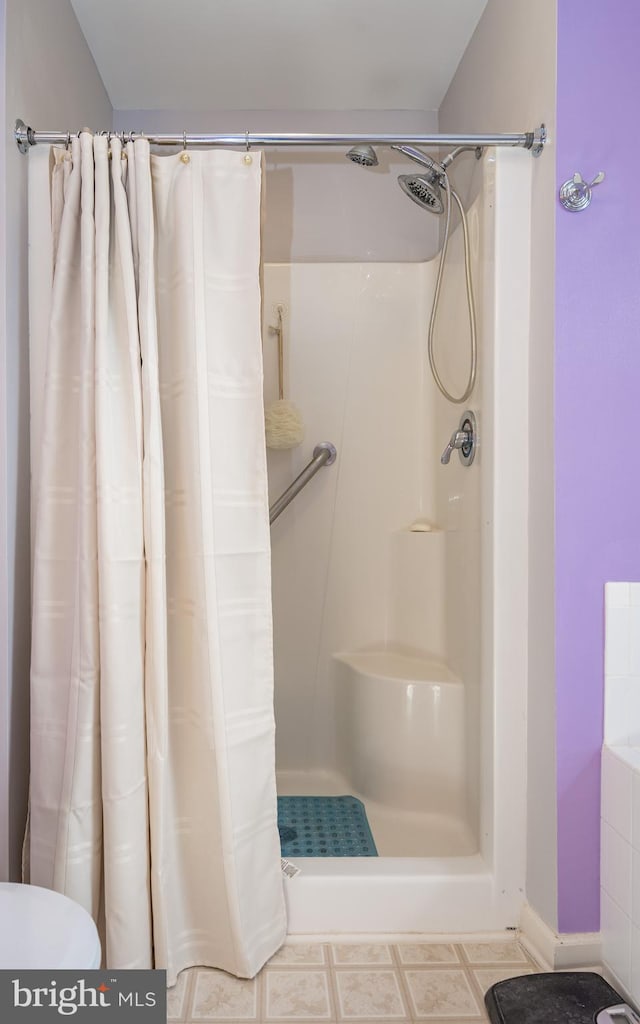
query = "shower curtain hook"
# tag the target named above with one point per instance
(68, 142)
(184, 156)
(248, 159)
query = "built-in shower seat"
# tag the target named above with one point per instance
(400, 722)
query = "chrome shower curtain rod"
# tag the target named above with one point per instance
(533, 141)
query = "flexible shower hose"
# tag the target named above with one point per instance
(470, 303)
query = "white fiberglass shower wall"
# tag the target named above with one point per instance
(399, 584)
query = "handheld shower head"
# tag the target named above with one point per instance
(424, 189)
(420, 158)
(363, 155)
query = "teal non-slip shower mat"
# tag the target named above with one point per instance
(324, 826)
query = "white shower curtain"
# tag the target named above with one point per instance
(152, 742)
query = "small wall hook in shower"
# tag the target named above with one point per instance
(575, 193)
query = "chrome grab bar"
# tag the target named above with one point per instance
(324, 454)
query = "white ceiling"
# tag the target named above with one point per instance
(277, 54)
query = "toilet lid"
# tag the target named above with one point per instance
(41, 929)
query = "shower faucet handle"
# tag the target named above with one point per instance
(459, 439)
(463, 440)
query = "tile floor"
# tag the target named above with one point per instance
(334, 981)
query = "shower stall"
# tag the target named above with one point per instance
(399, 575)
(400, 582)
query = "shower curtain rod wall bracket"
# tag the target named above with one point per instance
(538, 141)
(534, 141)
(23, 136)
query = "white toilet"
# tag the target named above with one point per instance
(41, 929)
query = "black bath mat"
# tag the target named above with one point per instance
(570, 997)
(324, 826)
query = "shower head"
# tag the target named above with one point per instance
(424, 189)
(363, 155)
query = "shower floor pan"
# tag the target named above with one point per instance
(427, 877)
(396, 832)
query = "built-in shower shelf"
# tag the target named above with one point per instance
(421, 528)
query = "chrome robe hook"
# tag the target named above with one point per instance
(575, 192)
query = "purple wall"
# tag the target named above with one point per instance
(597, 399)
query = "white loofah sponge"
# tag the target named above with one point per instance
(283, 425)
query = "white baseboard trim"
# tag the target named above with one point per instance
(429, 938)
(558, 951)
